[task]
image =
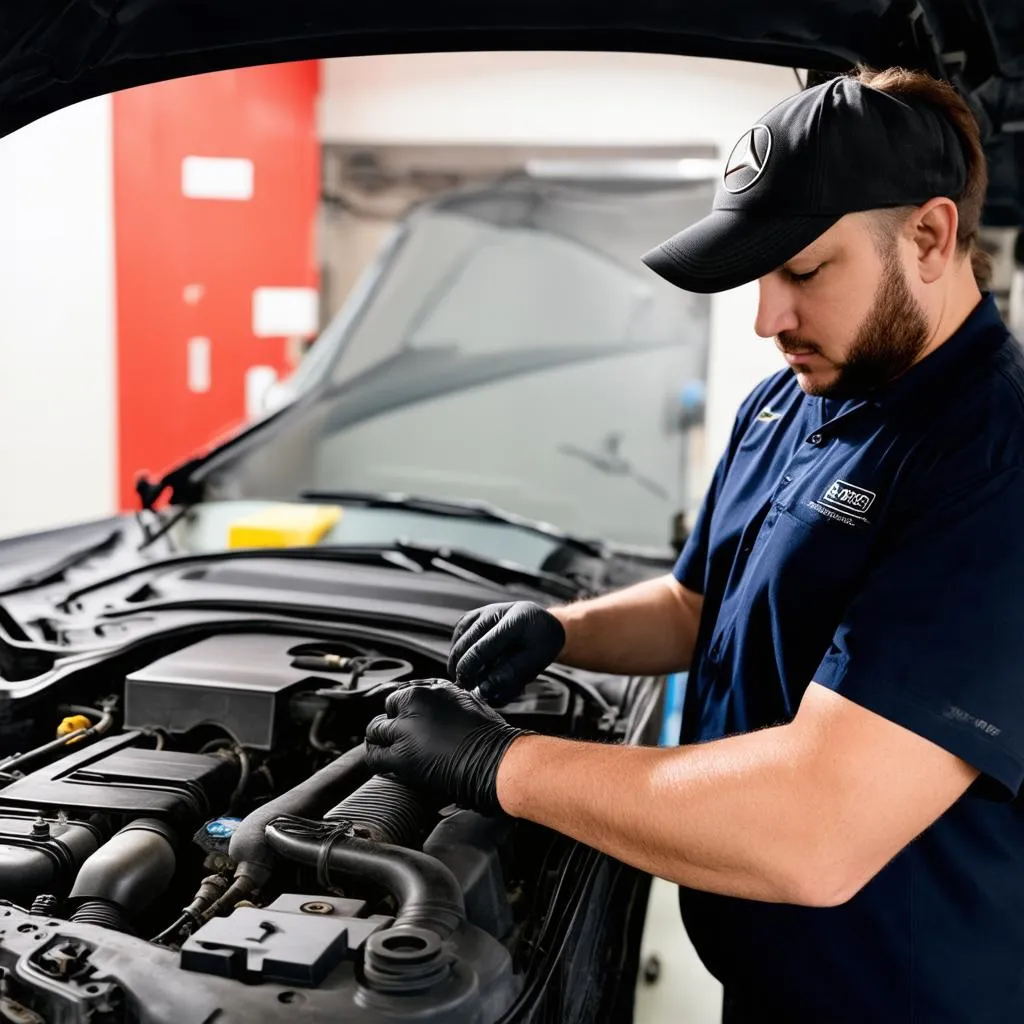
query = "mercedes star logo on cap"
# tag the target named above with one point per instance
(748, 159)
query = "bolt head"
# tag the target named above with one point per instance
(316, 907)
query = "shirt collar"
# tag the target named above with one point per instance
(979, 335)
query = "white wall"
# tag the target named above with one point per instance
(574, 98)
(57, 335)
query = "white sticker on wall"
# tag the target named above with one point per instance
(216, 177)
(258, 381)
(199, 365)
(284, 312)
(192, 294)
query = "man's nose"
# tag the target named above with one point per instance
(775, 312)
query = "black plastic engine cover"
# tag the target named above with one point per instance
(73, 973)
(297, 940)
(115, 777)
(238, 681)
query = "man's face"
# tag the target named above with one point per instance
(842, 312)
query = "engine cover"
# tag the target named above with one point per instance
(237, 681)
(294, 941)
(116, 777)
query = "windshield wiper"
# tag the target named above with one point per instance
(460, 510)
(478, 568)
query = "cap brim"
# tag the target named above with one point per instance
(729, 248)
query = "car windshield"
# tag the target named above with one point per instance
(508, 346)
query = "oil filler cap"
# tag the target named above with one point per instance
(72, 724)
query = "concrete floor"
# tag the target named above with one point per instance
(684, 993)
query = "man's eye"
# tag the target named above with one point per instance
(801, 278)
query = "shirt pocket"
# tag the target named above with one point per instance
(812, 557)
(833, 521)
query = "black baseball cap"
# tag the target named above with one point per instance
(820, 154)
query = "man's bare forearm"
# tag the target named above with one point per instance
(649, 628)
(728, 817)
(805, 812)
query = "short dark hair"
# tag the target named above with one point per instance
(918, 85)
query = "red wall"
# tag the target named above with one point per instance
(187, 267)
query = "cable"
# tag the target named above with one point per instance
(171, 931)
(211, 745)
(244, 776)
(581, 687)
(159, 737)
(314, 735)
(106, 720)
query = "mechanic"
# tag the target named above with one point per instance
(842, 815)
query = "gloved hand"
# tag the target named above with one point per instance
(501, 647)
(437, 737)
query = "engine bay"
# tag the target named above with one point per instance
(188, 831)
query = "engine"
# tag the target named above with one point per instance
(198, 838)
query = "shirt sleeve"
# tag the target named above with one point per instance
(934, 640)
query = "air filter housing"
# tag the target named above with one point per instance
(237, 681)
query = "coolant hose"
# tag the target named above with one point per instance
(249, 848)
(125, 875)
(426, 891)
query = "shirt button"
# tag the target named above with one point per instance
(787, 479)
(815, 439)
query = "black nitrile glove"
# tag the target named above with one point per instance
(437, 737)
(501, 647)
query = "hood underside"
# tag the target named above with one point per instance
(57, 52)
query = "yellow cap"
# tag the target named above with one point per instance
(73, 724)
(283, 526)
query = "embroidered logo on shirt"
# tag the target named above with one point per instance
(847, 497)
(767, 415)
(844, 503)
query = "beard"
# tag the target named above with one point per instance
(888, 342)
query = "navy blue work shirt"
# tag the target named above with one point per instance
(877, 547)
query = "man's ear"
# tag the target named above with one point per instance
(932, 230)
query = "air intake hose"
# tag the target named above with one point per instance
(427, 893)
(249, 848)
(386, 811)
(125, 875)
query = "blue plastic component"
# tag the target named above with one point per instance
(675, 692)
(692, 394)
(223, 828)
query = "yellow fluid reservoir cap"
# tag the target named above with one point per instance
(283, 526)
(73, 724)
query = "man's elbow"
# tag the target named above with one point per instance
(828, 880)
(818, 891)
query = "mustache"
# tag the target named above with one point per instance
(791, 343)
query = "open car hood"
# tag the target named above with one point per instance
(56, 52)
